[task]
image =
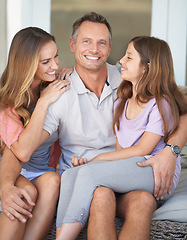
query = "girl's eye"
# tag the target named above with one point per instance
(129, 58)
(56, 55)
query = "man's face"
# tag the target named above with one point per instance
(91, 47)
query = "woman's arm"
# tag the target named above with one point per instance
(145, 146)
(11, 197)
(33, 135)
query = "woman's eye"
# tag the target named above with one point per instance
(45, 62)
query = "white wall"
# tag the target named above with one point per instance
(169, 22)
(25, 13)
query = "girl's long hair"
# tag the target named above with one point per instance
(157, 82)
(23, 59)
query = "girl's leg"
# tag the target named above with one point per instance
(69, 231)
(121, 176)
(67, 185)
(48, 186)
(15, 229)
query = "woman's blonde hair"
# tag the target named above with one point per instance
(23, 59)
(157, 82)
(22, 64)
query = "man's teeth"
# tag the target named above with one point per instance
(92, 58)
(51, 73)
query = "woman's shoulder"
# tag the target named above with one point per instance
(8, 112)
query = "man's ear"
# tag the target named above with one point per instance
(109, 49)
(72, 45)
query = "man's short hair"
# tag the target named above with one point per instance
(91, 17)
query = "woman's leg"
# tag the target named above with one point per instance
(121, 176)
(15, 229)
(48, 186)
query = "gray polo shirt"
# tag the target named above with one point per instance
(84, 122)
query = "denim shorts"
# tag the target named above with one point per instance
(31, 175)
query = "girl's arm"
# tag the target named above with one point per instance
(33, 135)
(118, 146)
(145, 146)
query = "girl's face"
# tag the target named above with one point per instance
(48, 63)
(131, 68)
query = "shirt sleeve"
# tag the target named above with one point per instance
(10, 126)
(51, 120)
(154, 124)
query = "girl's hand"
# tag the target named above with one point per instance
(53, 91)
(76, 161)
(64, 73)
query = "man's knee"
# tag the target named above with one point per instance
(147, 198)
(103, 198)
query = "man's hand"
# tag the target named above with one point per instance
(163, 165)
(16, 203)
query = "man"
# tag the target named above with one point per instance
(83, 117)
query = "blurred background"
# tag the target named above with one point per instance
(166, 19)
(128, 18)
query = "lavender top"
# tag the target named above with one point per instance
(149, 120)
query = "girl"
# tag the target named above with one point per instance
(146, 113)
(32, 64)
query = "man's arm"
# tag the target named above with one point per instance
(10, 195)
(164, 163)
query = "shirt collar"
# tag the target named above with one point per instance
(113, 79)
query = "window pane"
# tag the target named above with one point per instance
(128, 18)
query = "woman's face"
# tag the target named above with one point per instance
(48, 63)
(131, 68)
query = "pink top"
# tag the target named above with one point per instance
(10, 126)
(149, 120)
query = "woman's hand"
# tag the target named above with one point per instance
(16, 203)
(64, 73)
(53, 91)
(76, 161)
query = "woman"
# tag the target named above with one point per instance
(146, 114)
(32, 64)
